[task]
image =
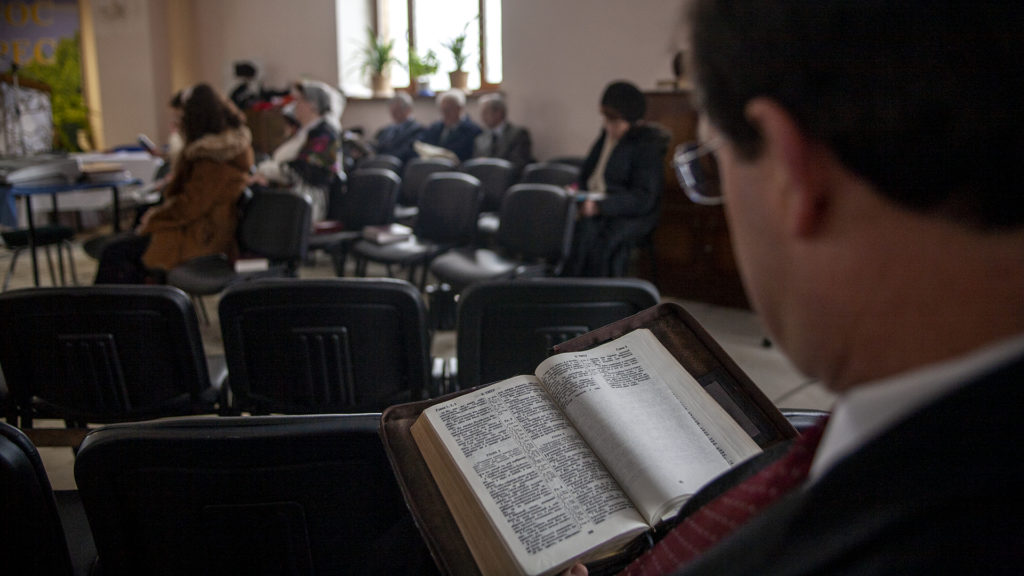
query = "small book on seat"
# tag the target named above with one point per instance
(387, 234)
(584, 460)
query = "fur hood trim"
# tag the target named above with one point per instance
(222, 147)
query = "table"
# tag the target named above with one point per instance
(53, 190)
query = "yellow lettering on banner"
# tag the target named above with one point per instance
(20, 54)
(46, 51)
(19, 19)
(37, 9)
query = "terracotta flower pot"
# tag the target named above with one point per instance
(381, 85)
(459, 79)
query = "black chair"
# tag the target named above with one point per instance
(552, 173)
(36, 527)
(369, 201)
(448, 209)
(247, 495)
(576, 161)
(533, 240)
(384, 161)
(108, 353)
(331, 345)
(274, 225)
(17, 241)
(495, 176)
(507, 327)
(414, 177)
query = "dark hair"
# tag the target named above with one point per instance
(207, 112)
(918, 97)
(625, 99)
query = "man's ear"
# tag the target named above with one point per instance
(798, 163)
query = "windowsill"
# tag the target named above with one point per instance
(472, 95)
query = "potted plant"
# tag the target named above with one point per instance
(457, 46)
(420, 70)
(377, 56)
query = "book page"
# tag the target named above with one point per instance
(652, 424)
(539, 482)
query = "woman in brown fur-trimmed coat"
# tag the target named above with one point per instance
(199, 214)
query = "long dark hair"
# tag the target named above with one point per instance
(206, 112)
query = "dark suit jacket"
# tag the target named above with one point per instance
(459, 139)
(514, 145)
(397, 139)
(937, 494)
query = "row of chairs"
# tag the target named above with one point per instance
(255, 495)
(100, 354)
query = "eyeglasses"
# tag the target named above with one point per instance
(697, 171)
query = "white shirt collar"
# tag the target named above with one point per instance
(868, 410)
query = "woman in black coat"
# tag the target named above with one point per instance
(620, 185)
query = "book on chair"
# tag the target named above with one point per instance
(584, 459)
(387, 234)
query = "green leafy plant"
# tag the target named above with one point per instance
(378, 54)
(457, 46)
(422, 66)
(65, 81)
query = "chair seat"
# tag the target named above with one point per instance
(406, 213)
(49, 234)
(94, 247)
(208, 275)
(487, 224)
(408, 251)
(326, 240)
(462, 267)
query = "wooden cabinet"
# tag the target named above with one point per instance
(692, 250)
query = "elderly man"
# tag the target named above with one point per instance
(396, 138)
(868, 155)
(454, 131)
(501, 139)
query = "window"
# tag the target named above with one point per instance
(424, 25)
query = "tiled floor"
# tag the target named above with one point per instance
(738, 331)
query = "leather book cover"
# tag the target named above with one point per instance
(680, 333)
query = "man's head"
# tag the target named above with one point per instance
(451, 104)
(493, 110)
(400, 107)
(867, 152)
(918, 97)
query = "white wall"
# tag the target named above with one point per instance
(558, 56)
(289, 40)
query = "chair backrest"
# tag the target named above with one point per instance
(103, 353)
(415, 175)
(243, 495)
(330, 345)
(495, 176)
(275, 225)
(448, 208)
(576, 161)
(385, 161)
(537, 222)
(32, 537)
(550, 173)
(507, 327)
(371, 197)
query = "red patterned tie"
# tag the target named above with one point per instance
(720, 517)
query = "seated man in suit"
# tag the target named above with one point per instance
(454, 131)
(396, 138)
(868, 155)
(501, 139)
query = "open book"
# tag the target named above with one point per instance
(595, 449)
